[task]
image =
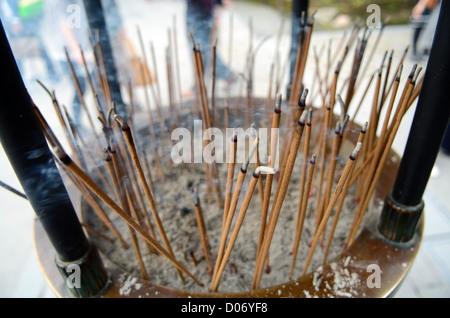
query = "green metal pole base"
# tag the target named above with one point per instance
(398, 222)
(85, 277)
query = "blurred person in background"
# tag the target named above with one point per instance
(22, 20)
(200, 19)
(420, 18)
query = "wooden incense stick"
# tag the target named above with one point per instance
(202, 231)
(73, 167)
(119, 189)
(377, 166)
(233, 205)
(54, 142)
(11, 189)
(239, 221)
(135, 158)
(177, 62)
(341, 201)
(90, 229)
(303, 176)
(331, 169)
(302, 214)
(288, 138)
(146, 76)
(230, 176)
(276, 208)
(341, 184)
(272, 161)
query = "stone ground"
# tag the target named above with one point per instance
(20, 275)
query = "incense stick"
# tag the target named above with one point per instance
(132, 149)
(116, 178)
(341, 200)
(376, 168)
(269, 178)
(230, 176)
(341, 184)
(202, 231)
(276, 208)
(233, 204)
(302, 209)
(67, 161)
(239, 221)
(11, 189)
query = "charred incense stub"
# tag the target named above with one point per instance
(303, 118)
(364, 128)
(278, 104)
(121, 121)
(302, 101)
(65, 159)
(355, 152)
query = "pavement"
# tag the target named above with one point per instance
(20, 275)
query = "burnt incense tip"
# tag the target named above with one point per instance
(400, 70)
(384, 58)
(313, 159)
(344, 124)
(253, 131)
(278, 103)
(250, 155)
(196, 199)
(107, 156)
(309, 122)
(342, 104)
(416, 75)
(391, 55)
(122, 122)
(191, 37)
(311, 19)
(303, 118)
(64, 157)
(337, 130)
(355, 151)
(364, 128)
(235, 135)
(302, 100)
(413, 71)
(338, 67)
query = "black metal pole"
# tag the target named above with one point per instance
(24, 143)
(404, 205)
(299, 7)
(97, 22)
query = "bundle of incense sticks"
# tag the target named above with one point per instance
(119, 171)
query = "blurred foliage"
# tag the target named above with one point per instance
(398, 10)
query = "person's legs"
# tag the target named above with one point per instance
(419, 26)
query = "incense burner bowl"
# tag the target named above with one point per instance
(379, 264)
